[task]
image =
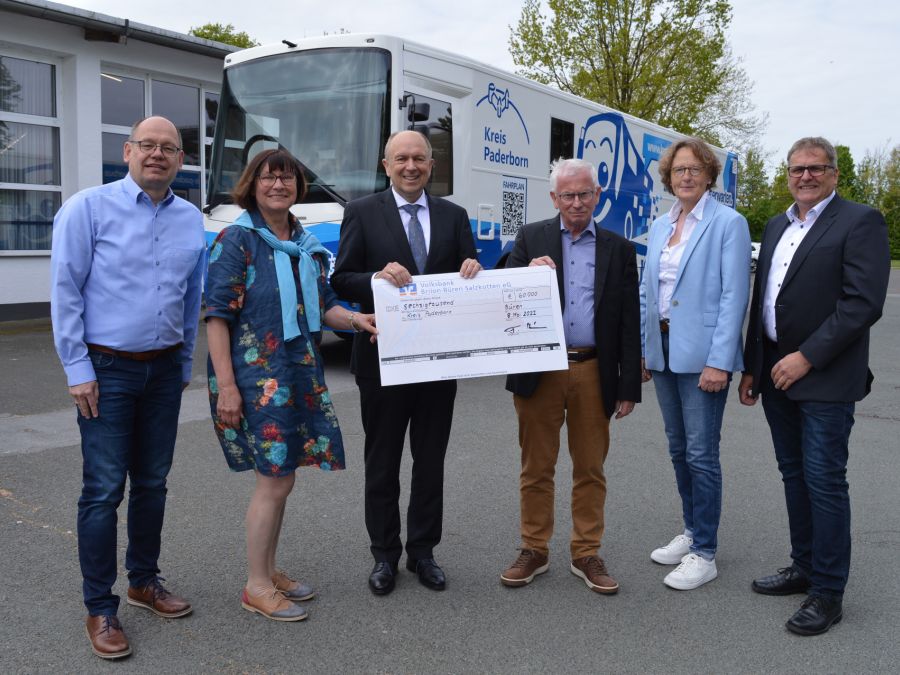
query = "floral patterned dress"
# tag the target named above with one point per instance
(288, 417)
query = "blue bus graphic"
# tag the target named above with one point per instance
(626, 197)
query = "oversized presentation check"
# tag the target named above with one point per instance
(442, 326)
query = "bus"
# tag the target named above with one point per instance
(333, 101)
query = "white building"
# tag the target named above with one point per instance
(72, 82)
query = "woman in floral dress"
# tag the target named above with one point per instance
(266, 301)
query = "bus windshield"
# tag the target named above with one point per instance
(327, 107)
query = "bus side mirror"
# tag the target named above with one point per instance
(419, 112)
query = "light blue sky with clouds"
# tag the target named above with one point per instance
(820, 67)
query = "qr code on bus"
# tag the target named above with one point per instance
(513, 212)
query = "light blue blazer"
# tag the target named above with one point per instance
(710, 296)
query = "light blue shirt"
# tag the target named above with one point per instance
(579, 262)
(126, 274)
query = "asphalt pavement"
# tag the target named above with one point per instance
(476, 626)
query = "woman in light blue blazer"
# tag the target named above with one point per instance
(694, 293)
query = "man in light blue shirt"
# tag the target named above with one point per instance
(127, 264)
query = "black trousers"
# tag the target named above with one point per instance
(427, 409)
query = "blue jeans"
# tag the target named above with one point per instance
(693, 422)
(811, 442)
(134, 436)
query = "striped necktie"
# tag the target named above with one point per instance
(416, 236)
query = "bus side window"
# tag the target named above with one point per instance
(562, 139)
(434, 119)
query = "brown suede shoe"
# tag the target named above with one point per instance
(158, 600)
(526, 567)
(592, 569)
(107, 638)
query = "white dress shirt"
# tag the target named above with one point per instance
(781, 259)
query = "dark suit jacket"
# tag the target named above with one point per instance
(833, 292)
(617, 315)
(372, 235)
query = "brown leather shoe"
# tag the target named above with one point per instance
(291, 588)
(526, 567)
(107, 638)
(592, 569)
(158, 600)
(273, 605)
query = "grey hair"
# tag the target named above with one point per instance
(814, 142)
(565, 167)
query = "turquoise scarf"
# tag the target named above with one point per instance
(304, 250)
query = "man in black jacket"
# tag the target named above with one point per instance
(393, 235)
(598, 287)
(820, 284)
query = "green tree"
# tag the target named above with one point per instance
(224, 33)
(890, 201)
(780, 194)
(848, 183)
(754, 199)
(666, 61)
(872, 177)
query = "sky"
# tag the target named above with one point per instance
(820, 67)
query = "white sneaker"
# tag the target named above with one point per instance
(693, 571)
(673, 552)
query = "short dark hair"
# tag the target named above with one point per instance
(134, 128)
(815, 142)
(701, 151)
(278, 159)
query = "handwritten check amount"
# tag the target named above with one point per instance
(442, 326)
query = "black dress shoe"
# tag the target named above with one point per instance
(429, 573)
(381, 580)
(816, 615)
(786, 581)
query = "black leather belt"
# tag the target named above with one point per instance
(663, 325)
(579, 354)
(134, 356)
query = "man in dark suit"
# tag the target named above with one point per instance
(820, 284)
(598, 288)
(393, 235)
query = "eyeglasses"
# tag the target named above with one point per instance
(693, 170)
(269, 179)
(569, 197)
(797, 170)
(147, 147)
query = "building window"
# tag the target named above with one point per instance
(127, 99)
(30, 187)
(434, 119)
(562, 139)
(180, 104)
(113, 156)
(30, 154)
(121, 100)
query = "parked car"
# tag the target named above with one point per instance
(754, 255)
